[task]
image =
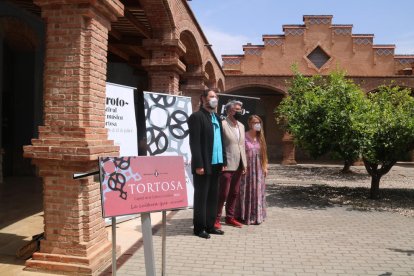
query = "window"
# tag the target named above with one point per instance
(318, 57)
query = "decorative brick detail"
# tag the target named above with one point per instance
(405, 61)
(342, 31)
(294, 31)
(384, 52)
(363, 40)
(253, 51)
(231, 61)
(274, 42)
(73, 136)
(319, 21)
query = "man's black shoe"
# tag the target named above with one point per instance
(203, 234)
(216, 231)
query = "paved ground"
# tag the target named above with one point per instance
(301, 236)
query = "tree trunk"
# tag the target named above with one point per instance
(347, 167)
(375, 181)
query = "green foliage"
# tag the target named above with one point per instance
(332, 115)
(323, 113)
(388, 126)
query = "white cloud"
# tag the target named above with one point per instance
(224, 43)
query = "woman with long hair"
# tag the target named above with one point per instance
(252, 200)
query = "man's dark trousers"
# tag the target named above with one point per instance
(205, 194)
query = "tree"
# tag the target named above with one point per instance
(387, 131)
(321, 113)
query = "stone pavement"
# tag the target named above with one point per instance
(294, 240)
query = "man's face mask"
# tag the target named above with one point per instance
(213, 103)
(237, 115)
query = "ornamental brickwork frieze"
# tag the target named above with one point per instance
(319, 21)
(384, 52)
(231, 61)
(274, 42)
(294, 32)
(253, 51)
(342, 31)
(363, 40)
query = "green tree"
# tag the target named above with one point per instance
(321, 113)
(387, 131)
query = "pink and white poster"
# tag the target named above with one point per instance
(132, 185)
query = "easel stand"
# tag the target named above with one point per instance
(148, 246)
(113, 246)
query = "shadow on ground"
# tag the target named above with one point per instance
(320, 196)
(302, 173)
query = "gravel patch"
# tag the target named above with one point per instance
(314, 186)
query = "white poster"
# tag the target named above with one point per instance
(167, 130)
(120, 118)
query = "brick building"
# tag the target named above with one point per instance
(57, 55)
(55, 59)
(317, 47)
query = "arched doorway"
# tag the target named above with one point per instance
(270, 98)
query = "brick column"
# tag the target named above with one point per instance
(73, 136)
(194, 85)
(163, 81)
(164, 66)
(288, 150)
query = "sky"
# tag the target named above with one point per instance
(229, 24)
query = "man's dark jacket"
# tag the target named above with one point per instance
(201, 140)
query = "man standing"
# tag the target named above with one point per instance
(208, 159)
(233, 137)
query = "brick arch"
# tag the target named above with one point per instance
(276, 90)
(393, 84)
(270, 82)
(220, 85)
(211, 76)
(192, 57)
(18, 35)
(186, 23)
(280, 149)
(370, 84)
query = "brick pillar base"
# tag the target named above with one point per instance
(75, 241)
(288, 150)
(96, 262)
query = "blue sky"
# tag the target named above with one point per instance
(229, 24)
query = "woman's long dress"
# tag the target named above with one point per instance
(252, 200)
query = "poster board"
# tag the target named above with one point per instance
(138, 184)
(167, 130)
(120, 118)
(251, 105)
